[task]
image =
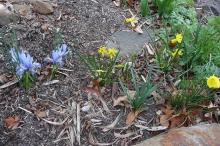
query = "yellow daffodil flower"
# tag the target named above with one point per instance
(131, 20)
(102, 51)
(179, 38)
(174, 41)
(112, 52)
(177, 53)
(213, 82)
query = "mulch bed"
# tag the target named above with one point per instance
(85, 25)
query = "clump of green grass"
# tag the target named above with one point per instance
(145, 10)
(190, 93)
(165, 7)
(142, 92)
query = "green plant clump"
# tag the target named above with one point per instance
(142, 92)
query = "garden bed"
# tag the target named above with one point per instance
(80, 104)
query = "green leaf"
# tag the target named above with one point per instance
(145, 10)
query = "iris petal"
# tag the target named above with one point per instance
(14, 55)
(20, 69)
(57, 55)
(24, 63)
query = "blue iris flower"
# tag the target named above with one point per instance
(24, 62)
(58, 54)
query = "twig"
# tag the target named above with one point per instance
(71, 135)
(51, 82)
(104, 104)
(55, 123)
(60, 15)
(92, 141)
(131, 13)
(25, 110)
(63, 73)
(93, 114)
(117, 128)
(72, 128)
(118, 135)
(112, 125)
(149, 121)
(94, 1)
(145, 22)
(8, 84)
(63, 69)
(78, 123)
(158, 128)
(57, 140)
(61, 134)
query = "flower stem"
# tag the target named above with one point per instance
(54, 71)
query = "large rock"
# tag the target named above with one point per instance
(6, 16)
(201, 135)
(22, 10)
(42, 7)
(128, 42)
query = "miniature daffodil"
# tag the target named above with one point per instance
(131, 20)
(213, 82)
(178, 39)
(112, 52)
(102, 51)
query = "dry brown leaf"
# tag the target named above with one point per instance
(131, 3)
(12, 122)
(93, 89)
(41, 114)
(177, 121)
(92, 92)
(164, 120)
(123, 100)
(132, 116)
(168, 110)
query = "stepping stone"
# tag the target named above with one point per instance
(128, 42)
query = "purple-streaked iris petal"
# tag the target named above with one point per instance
(14, 55)
(63, 49)
(26, 59)
(24, 63)
(57, 55)
(34, 68)
(20, 70)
